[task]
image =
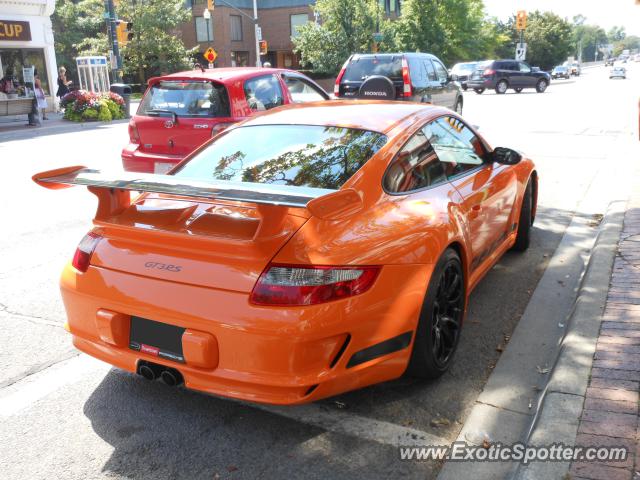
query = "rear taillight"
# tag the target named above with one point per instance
(406, 79)
(336, 86)
(302, 285)
(488, 72)
(134, 135)
(219, 127)
(84, 251)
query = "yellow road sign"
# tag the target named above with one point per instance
(210, 55)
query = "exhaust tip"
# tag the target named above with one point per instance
(147, 372)
(171, 377)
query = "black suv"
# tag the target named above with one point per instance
(415, 77)
(504, 74)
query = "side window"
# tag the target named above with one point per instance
(456, 146)
(524, 67)
(263, 93)
(416, 166)
(441, 72)
(302, 91)
(430, 71)
(418, 77)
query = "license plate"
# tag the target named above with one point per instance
(157, 339)
(162, 167)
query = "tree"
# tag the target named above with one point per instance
(347, 26)
(587, 39)
(629, 42)
(616, 34)
(154, 49)
(73, 23)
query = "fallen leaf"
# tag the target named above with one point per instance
(340, 404)
(500, 348)
(232, 468)
(542, 370)
(486, 443)
(440, 422)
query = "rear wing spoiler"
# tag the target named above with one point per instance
(112, 190)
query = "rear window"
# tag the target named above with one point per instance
(360, 68)
(186, 99)
(297, 155)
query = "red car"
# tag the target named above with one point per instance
(179, 112)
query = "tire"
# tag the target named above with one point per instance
(518, 89)
(501, 87)
(541, 86)
(478, 90)
(523, 237)
(433, 349)
(464, 87)
(458, 106)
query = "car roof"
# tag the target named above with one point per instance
(374, 115)
(223, 74)
(393, 54)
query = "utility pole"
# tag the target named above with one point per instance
(110, 16)
(256, 29)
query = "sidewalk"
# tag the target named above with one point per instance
(610, 411)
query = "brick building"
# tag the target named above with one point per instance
(231, 34)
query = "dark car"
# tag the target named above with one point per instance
(561, 71)
(415, 77)
(462, 71)
(609, 61)
(504, 74)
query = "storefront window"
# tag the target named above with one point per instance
(13, 60)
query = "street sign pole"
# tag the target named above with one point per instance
(110, 16)
(256, 33)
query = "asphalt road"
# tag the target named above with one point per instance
(68, 416)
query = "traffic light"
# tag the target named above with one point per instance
(124, 32)
(211, 4)
(263, 47)
(521, 20)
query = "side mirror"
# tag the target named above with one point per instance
(505, 156)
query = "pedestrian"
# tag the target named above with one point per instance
(8, 84)
(63, 83)
(40, 97)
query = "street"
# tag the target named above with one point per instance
(66, 415)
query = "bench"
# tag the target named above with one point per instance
(16, 106)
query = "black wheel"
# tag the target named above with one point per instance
(464, 87)
(518, 89)
(541, 86)
(501, 86)
(478, 90)
(523, 237)
(458, 107)
(440, 321)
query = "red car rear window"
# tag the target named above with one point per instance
(186, 98)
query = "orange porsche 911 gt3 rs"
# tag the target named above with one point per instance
(308, 251)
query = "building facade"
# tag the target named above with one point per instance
(231, 33)
(26, 40)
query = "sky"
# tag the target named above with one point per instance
(605, 13)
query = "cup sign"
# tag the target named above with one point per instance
(210, 55)
(14, 30)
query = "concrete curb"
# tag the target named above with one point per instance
(536, 392)
(560, 406)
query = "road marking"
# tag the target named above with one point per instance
(24, 393)
(355, 425)
(29, 390)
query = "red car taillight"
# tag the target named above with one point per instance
(219, 127)
(406, 79)
(336, 86)
(310, 285)
(488, 72)
(84, 251)
(134, 135)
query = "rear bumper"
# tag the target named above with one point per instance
(135, 160)
(481, 83)
(271, 355)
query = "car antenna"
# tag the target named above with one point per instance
(197, 65)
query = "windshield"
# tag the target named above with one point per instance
(186, 99)
(298, 155)
(464, 67)
(362, 67)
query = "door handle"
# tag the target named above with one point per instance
(475, 211)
